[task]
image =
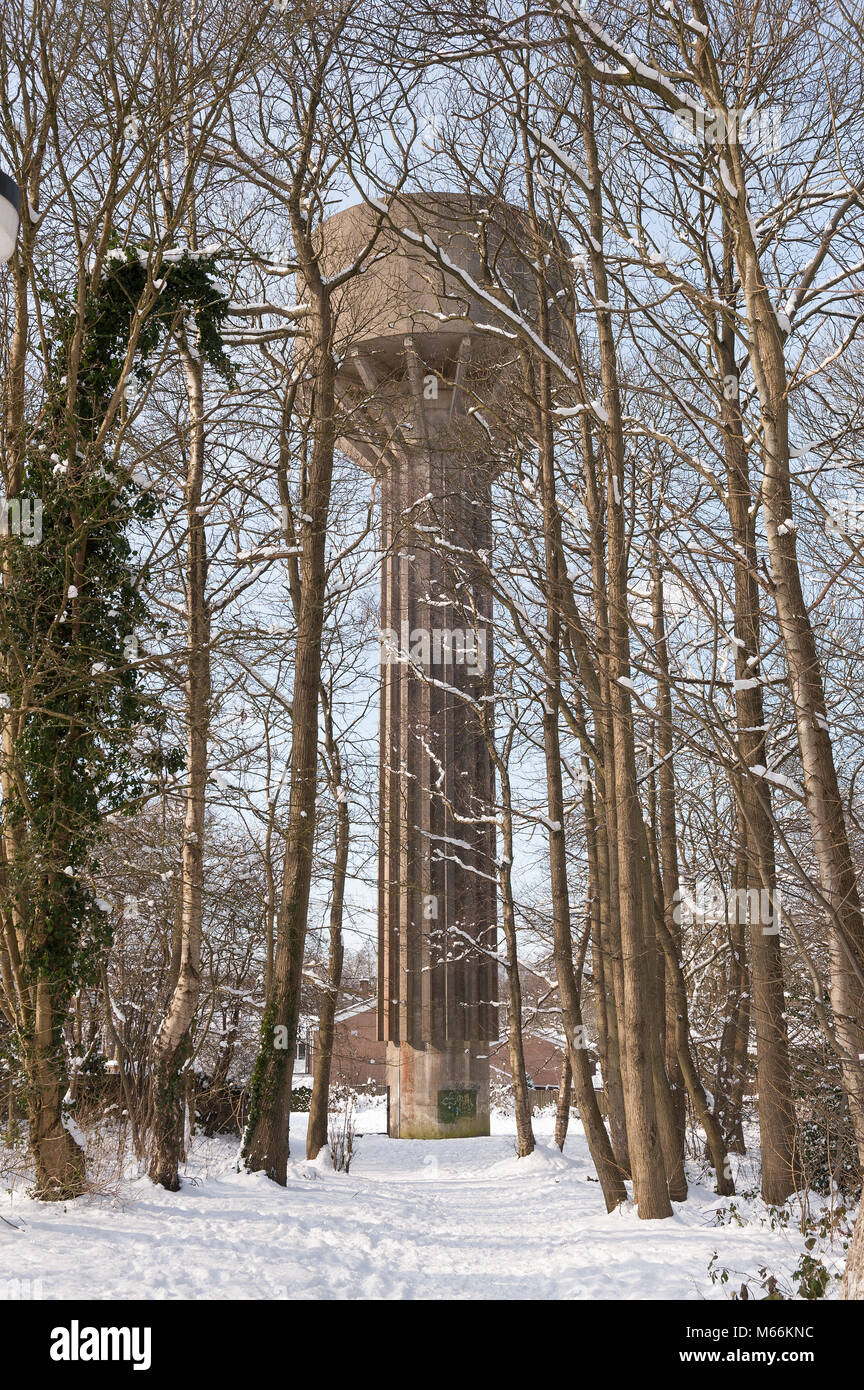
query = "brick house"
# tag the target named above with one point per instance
(359, 1058)
(543, 1059)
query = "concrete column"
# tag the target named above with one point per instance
(437, 890)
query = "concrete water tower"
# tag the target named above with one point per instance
(427, 374)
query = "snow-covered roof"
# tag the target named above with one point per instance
(360, 1006)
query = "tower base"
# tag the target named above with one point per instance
(438, 1092)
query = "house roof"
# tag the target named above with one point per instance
(360, 1006)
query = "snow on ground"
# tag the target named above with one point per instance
(462, 1219)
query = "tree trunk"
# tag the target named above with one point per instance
(768, 1005)
(516, 1051)
(59, 1159)
(606, 945)
(853, 1275)
(821, 789)
(667, 858)
(38, 1017)
(605, 964)
(218, 1087)
(733, 1052)
(638, 948)
(687, 1062)
(265, 1145)
(171, 1047)
(562, 1109)
(611, 1178)
(316, 1134)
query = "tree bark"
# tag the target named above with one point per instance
(516, 1051)
(611, 1178)
(853, 1275)
(638, 948)
(768, 1004)
(316, 1133)
(606, 943)
(562, 1109)
(60, 1173)
(265, 1146)
(171, 1047)
(733, 1052)
(667, 858)
(821, 788)
(687, 1062)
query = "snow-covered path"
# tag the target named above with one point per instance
(455, 1219)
